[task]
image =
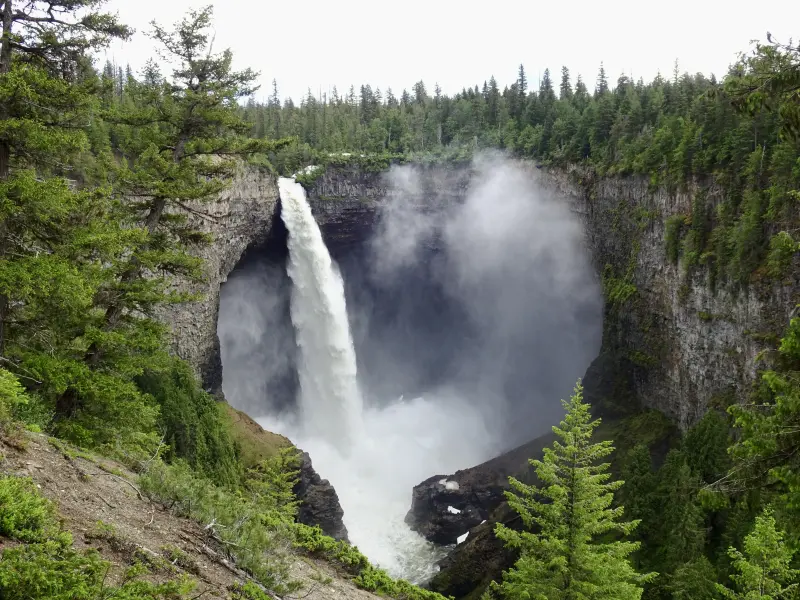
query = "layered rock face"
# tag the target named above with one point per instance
(682, 342)
(319, 502)
(240, 217)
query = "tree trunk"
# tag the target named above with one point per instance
(5, 152)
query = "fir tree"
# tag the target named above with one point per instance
(569, 550)
(181, 138)
(565, 89)
(764, 569)
(602, 82)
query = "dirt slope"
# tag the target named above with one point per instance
(98, 490)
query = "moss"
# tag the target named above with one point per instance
(705, 316)
(254, 442)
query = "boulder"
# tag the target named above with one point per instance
(319, 503)
(445, 507)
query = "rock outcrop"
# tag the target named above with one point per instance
(319, 503)
(445, 507)
(240, 217)
(681, 340)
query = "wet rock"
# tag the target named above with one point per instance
(319, 503)
(443, 508)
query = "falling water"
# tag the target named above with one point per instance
(330, 401)
(373, 457)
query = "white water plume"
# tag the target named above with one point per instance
(484, 311)
(373, 457)
(330, 401)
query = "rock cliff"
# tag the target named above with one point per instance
(240, 217)
(681, 342)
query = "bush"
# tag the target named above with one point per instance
(353, 562)
(254, 523)
(195, 427)
(672, 237)
(46, 567)
(782, 249)
(24, 514)
(11, 395)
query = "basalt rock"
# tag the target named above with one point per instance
(319, 503)
(443, 508)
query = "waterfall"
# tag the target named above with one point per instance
(330, 402)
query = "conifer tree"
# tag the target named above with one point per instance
(571, 548)
(565, 89)
(602, 82)
(181, 138)
(60, 243)
(764, 569)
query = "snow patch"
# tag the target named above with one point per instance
(453, 511)
(443, 481)
(451, 485)
(462, 538)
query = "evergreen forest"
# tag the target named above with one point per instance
(102, 170)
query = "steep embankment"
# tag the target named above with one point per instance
(99, 503)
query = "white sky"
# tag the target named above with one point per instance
(321, 43)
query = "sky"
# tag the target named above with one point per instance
(317, 44)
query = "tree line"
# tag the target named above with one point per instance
(102, 177)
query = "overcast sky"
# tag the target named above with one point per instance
(322, 43)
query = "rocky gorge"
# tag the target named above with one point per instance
(673, 339)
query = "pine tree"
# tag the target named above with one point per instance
(569, 550)
(602, 82)
(764, 569)
(522, 81)
(60, 245)
(181, 139)
(565, 89)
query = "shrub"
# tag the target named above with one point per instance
(11, 395)
(48, 568)
(24, 514)
(195, 427)
(353, 562)
(672, 237)
(254, 523)
(782, 249)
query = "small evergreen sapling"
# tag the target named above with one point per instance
(764, 568)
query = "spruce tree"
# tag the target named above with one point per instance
(181, 138)
(60, 242)
(572, 547)
(764, 569)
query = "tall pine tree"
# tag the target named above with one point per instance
(569, 550)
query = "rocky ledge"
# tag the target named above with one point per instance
(319, 503)
(445, 507)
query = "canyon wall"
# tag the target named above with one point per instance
(671, 341)
(241, 216)
(680, 343)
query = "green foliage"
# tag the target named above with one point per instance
(46, 567)
(672, 236)
(24, 514)
(195, 427)
(353, 562)
(767, 448)
(253, 523)
(782, 249)
(617, 291)
(694, 581)
(706, 446)
(570, 547)
(763, 570)
(733, 138)
(12, 396)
